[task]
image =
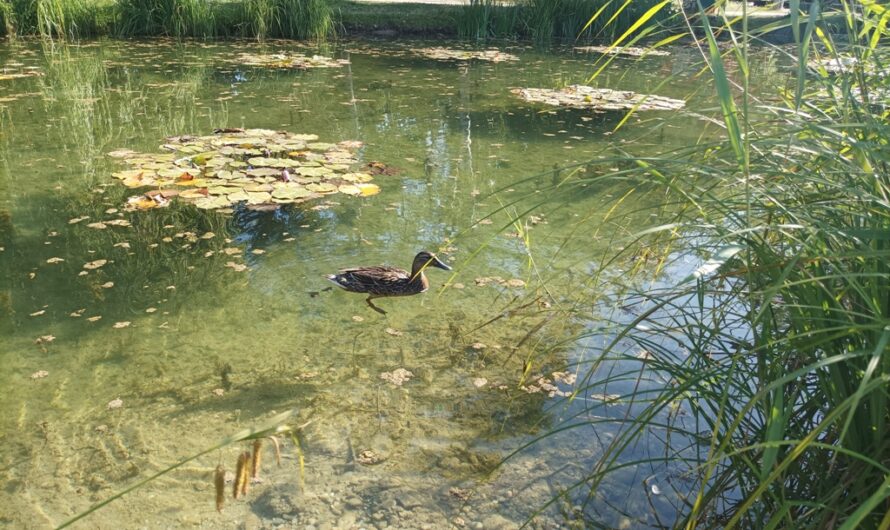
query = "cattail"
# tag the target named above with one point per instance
(219, 480)
(245, 479)
(277, 450)
(241, 473)
(257, 458)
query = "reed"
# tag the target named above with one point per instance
(174, 18)
(766, 368)
(289, 19)
(483, 19)
(50, 19)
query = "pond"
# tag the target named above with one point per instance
(134, 339)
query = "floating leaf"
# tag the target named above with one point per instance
(92, 265)
(629, 51)
(256, 166)
(368, 189)
(448, 54)
(581, 96)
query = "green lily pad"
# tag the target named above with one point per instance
(256, 166)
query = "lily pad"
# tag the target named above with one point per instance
(630, 51)
(255, 166)
(449, 54)
(289, 61)
(597, 99)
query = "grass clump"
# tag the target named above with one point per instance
(289, 19)
(174, 18)
(764, 372)
(50, 18)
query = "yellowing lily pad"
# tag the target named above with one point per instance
(254, 166)
(368, 189)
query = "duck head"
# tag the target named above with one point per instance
(426, 259)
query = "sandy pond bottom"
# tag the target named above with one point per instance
(131, 345)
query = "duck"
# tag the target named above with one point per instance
(383, 281)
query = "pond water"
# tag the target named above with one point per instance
(116, 372)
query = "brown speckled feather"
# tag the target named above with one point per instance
(382, 280)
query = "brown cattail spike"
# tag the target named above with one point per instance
(219, 481)
(241, 471)
(257, 458)
(245, 479)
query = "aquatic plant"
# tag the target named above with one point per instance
(260, 167)
(175, 18)
(763, 371)
(49, 18)
(291, 19)
(483, 19)
(274, 425)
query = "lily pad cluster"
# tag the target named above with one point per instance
(598, 99)
(289, 61)
(260, 167)
(448, 54)
(630, 51)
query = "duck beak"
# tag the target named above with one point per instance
(438, 264)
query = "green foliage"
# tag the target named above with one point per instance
(546, 21)
(483, 19)
(175, 18)
(7, 25)
(291, 19)
(49, 18)
(767, 368)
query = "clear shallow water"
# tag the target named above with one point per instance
(266, 337)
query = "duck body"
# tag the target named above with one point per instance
(384, 281)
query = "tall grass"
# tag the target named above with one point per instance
(291, 19)
(546, 21)
(483, 19)
(50, 18)
(175, 18)
(767, 367)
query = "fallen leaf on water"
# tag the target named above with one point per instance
(237, 267)
(115, 404)
(77, 220)
(122, 244)
(479, 382)
(258, 251)
(119, 325)
(45, 339)
(357, 318)
(94, 319)
(107, 285)
(98, 225)
(151, 309)
(393, 332)
(397, 376)
(38, 313)
(54, 260)
(92, 265)
(78, 313)
(231, 251)
(515, 282)
(39, 374)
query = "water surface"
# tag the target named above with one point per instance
(209, 351)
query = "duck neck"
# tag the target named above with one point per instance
(418, 277)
